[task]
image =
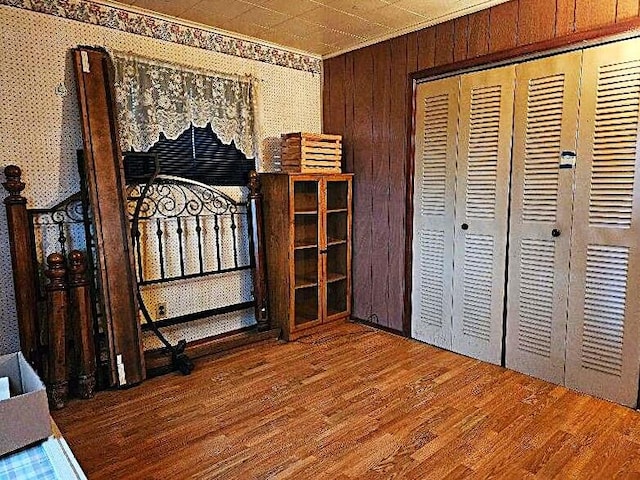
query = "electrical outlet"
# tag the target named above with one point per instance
(161, 310)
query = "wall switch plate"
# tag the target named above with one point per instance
(161, 310)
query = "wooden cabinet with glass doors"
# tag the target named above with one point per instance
(308, 246)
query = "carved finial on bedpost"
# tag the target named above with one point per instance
(56, 272)
(13, 185)
(255, 186)
(77, 269)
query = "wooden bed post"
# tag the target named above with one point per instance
(257, 251)
(84, 372)
(57, 317)
(24, 272)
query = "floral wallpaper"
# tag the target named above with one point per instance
(154, 27)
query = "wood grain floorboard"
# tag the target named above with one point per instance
(350, 402)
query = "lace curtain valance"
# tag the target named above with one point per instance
(154, 98)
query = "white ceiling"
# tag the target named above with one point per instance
(321, 27)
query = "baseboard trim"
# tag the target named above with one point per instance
(369, 323)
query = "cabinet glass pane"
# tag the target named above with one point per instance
(336, 297)
(337, 217)
(306, 305)
(306, 285)
(337, 195)
(306, 251)
(305, 196)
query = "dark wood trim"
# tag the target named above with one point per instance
(408, 243)
(549, 47)
(159, 362)
(378, 326)
(573, 40)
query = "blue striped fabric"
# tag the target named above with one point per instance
(28, 464)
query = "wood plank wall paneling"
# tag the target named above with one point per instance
(426, 44)
(590, 14)
(399, 115)
(380, 177)
(536, 21)
(445, 36)
(460, 38)
(503, 26)
(565, 18)
(363, 183)
(349, 90)
(478, 34)
(626, 9)
(366, 99)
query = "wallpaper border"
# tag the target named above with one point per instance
(154, 27)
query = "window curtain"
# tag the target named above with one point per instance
(154, 98)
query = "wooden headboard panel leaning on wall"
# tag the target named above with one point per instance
(104, 178)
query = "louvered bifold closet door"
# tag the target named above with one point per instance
(482, 195)
(603, 345)
(545, 124)
(435, 162)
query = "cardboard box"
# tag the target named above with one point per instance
(24, 418)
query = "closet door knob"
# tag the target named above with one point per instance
(464, 226)
(555, 232)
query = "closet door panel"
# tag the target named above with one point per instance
(435, 159)
(603, 346)
(546, 120)
(482, 195)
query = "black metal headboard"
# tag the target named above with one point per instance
(202, 222)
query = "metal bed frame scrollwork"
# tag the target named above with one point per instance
(169, 204)
(199, 217)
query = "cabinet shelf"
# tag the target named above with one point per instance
(304, 243)
(305, 282)
(335, 277)
(337, 210)
(306, 212)
(335, 241)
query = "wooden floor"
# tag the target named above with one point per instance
(350, 403)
